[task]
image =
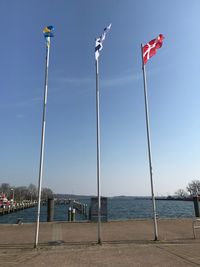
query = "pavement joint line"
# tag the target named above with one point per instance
(164, 248)
(81, 245)
(61, 243)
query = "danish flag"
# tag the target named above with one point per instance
(150, 48)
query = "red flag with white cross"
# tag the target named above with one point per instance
(151, 47)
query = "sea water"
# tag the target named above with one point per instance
(119, 208)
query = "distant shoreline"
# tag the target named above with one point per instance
(74, 196)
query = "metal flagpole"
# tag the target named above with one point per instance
(149, 147)
(98, 151)
(42, 139)
(98, 47)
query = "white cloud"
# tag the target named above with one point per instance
(121, 80)
(75, 81)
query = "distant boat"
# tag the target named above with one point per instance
(4, 202)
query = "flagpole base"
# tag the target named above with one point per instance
(99, 242)
(156, 238)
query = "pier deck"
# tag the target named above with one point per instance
(20, 206)
(125, 243)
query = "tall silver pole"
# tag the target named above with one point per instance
(98, 152)
(42, 140)
(149, 147)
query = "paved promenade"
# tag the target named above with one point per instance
(128, 243)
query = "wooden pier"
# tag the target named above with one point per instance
(19, 206)
(80, 207)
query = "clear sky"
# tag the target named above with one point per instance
(173, 77)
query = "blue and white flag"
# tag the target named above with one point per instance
(99, 41)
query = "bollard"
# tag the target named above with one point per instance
(19, 221)
(82, 209)
(85, 210)
(50, 210)
(93, 210)
(196, 206)
(69, 214)
(73, 215)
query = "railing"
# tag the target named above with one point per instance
(5, 209)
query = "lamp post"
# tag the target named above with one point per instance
(12, 190)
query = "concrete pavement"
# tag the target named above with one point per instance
(128, 243)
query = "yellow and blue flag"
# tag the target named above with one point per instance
(48, 31)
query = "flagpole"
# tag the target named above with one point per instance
(98, 47)
(42, 140)
(149, 148)
(98, 151)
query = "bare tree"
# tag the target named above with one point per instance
(24, 193)
(194, 188)
(47, 193)
(32, 189)
(21, 193)
(180, 193)
(6, 189)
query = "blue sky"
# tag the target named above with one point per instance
(173, 77)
